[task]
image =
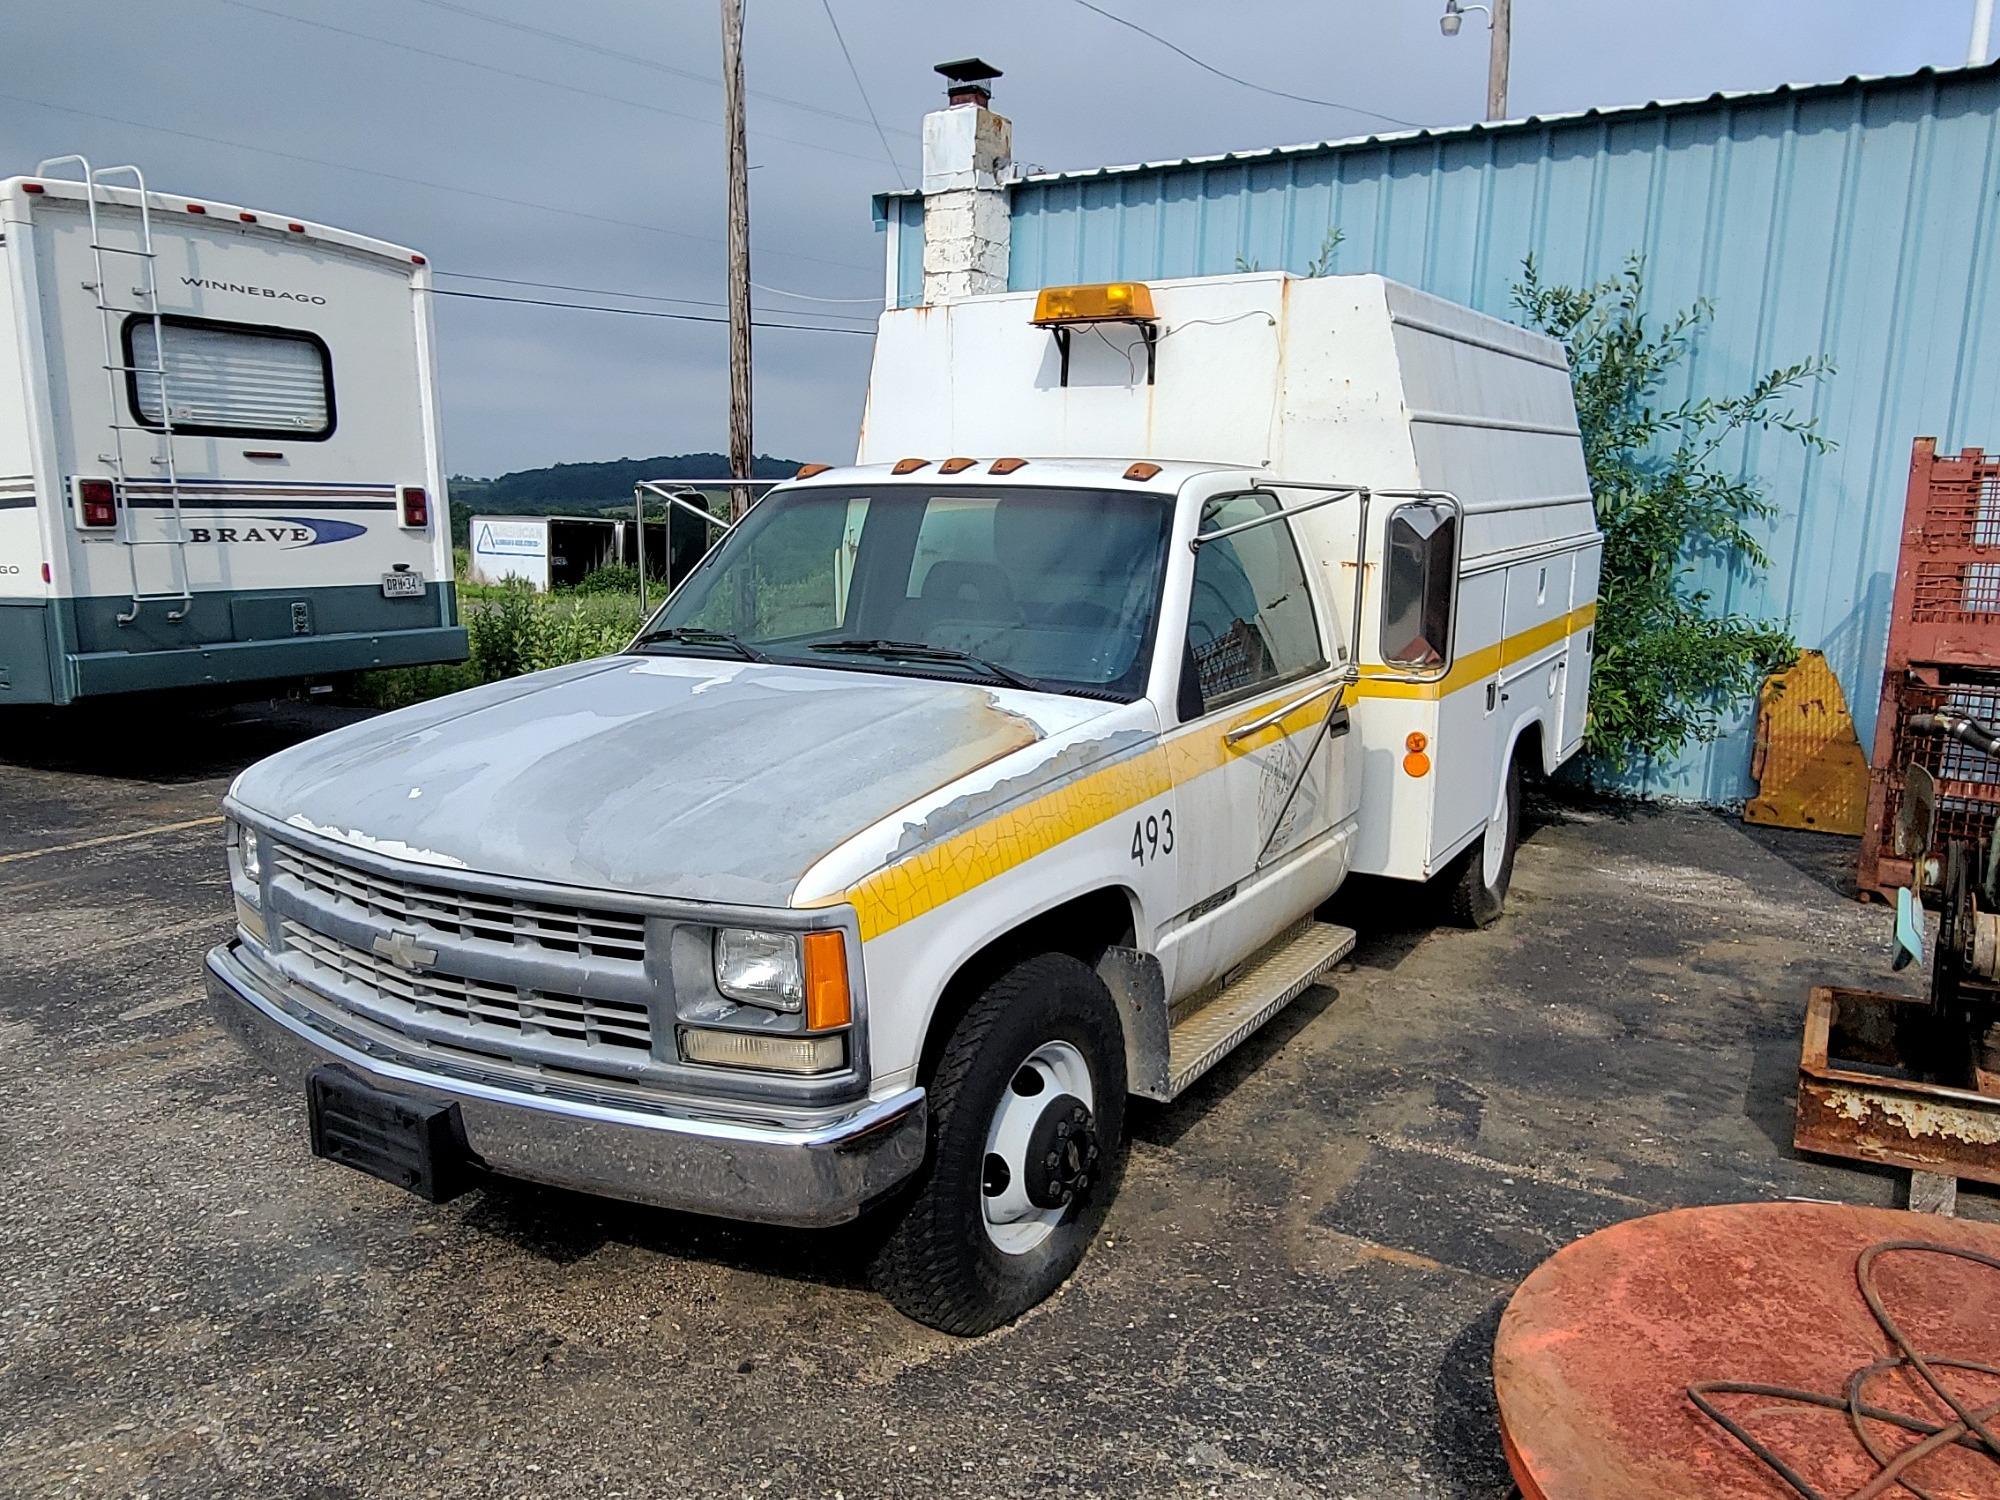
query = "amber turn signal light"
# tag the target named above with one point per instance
(1416, 763)
(828, 1003)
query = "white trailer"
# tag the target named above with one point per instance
(219, 457)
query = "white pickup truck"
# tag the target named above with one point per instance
(958, 795)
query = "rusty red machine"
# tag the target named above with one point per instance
(1914, 1082)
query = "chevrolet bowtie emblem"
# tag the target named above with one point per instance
(404, 951)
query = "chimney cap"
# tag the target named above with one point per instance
(969, 70)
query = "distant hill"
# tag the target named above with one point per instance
(590, 487)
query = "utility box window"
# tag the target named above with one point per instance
(229, 379)
(1420, 556)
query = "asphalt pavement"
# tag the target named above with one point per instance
(1294, 1296)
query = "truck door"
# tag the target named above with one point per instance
(1258, 760)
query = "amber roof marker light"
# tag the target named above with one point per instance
(1062, 309)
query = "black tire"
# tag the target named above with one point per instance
(1475, 903)
(938, 1264)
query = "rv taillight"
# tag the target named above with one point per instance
(417, 260)
(416, 508)
(33, 187)
(96, 504)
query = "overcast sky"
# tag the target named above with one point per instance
(580, 144)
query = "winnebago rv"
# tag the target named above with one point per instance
(958, 795)
(218, 445)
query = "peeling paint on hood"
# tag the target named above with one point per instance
(656, 775)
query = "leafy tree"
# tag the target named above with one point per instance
(1668, 667)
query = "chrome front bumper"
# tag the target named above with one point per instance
(822, 1172)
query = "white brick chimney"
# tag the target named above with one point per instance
(967, 148)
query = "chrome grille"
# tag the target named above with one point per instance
(563, 929)
(495, 1009)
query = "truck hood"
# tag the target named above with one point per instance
(666, 776)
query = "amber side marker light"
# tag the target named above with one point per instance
(956, 465)
(1006, 465)
(1142, 472)
(806, 471)
(909, 465)
(1417, 741)
(828, 1003)
(1416, 763)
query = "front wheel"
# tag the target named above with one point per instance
(1480, 880)
(1028, 1135)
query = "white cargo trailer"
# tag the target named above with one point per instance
(219, 455)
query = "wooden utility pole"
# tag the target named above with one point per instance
(740, 449)
(1496, 59)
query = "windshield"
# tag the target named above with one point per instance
(1050, 588)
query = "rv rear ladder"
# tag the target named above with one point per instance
(182, 597)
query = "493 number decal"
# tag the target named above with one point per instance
(1153, 835)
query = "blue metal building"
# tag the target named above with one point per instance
(1859, 220)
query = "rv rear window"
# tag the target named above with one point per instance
(229, 379)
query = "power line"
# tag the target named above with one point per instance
(644, 62)
(643, 312)
(512, 200)
(604, 291)
(778, 291)
(467, 62)
(1208, 67)
(862, 89)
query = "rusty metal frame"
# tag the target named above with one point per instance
(1857, 1098)
(1917, 649)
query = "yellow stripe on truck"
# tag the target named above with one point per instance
(1476, 666)
(921, 883)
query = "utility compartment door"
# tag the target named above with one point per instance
(1577, 653)
(1536, 656)
(1261, 764)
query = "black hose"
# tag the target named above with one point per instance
(1974, 1429)
(1959, 727)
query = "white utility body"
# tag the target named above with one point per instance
(959, 794)
(218, 445)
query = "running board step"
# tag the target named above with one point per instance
(1266, 986)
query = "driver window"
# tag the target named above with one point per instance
(1250, 618)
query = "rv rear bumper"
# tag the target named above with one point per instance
(817, 1169)
(96, 673)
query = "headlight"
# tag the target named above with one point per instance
(760, 968)
(251, 853)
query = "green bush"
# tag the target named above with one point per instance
(511, 630)
(1668, 666)
(616, 579)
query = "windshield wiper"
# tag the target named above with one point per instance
(923, 651)
(698, 635)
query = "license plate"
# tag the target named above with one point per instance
(413, 1143)
(402, 585)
